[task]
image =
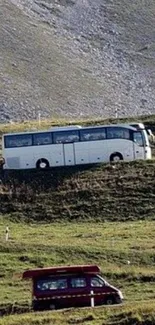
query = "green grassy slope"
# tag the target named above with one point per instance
(148, 120)
(125, 191)
(110, 245)
(92, 214)
(103, 192)
(138, 315)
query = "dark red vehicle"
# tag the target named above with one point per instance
(71, 286)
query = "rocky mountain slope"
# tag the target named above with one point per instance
(76, 58)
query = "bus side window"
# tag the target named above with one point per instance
(22, 140)
(117, 133)
(93, 134)
(66, 137)
(42, 138)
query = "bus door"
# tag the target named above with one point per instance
(69, 154)
(139, 145)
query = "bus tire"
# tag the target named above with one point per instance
(42, 163)
(116, 156)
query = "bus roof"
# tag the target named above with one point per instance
(75, 269)
(64, 128)
(131, 126)
(137, 125)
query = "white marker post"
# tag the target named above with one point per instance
(92, 298)
(116, 113)
(7, 234)
(39, 118)
(113, 242)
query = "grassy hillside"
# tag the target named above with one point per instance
(103, 192)
(125, 191)
(139, 315)
(148, 120)
(110, 245)
(102, 214)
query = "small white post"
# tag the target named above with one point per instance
(116, 112)
(92, 298)
(7, 233)
(39, 118)
(112, 242)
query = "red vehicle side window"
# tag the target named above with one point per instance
(78, 282)
(51, 284)
(96, 282)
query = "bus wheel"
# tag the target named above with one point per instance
(116, 157)
(42, 163)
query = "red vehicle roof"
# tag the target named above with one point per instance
(75, 269)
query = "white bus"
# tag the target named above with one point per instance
(75, 145)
